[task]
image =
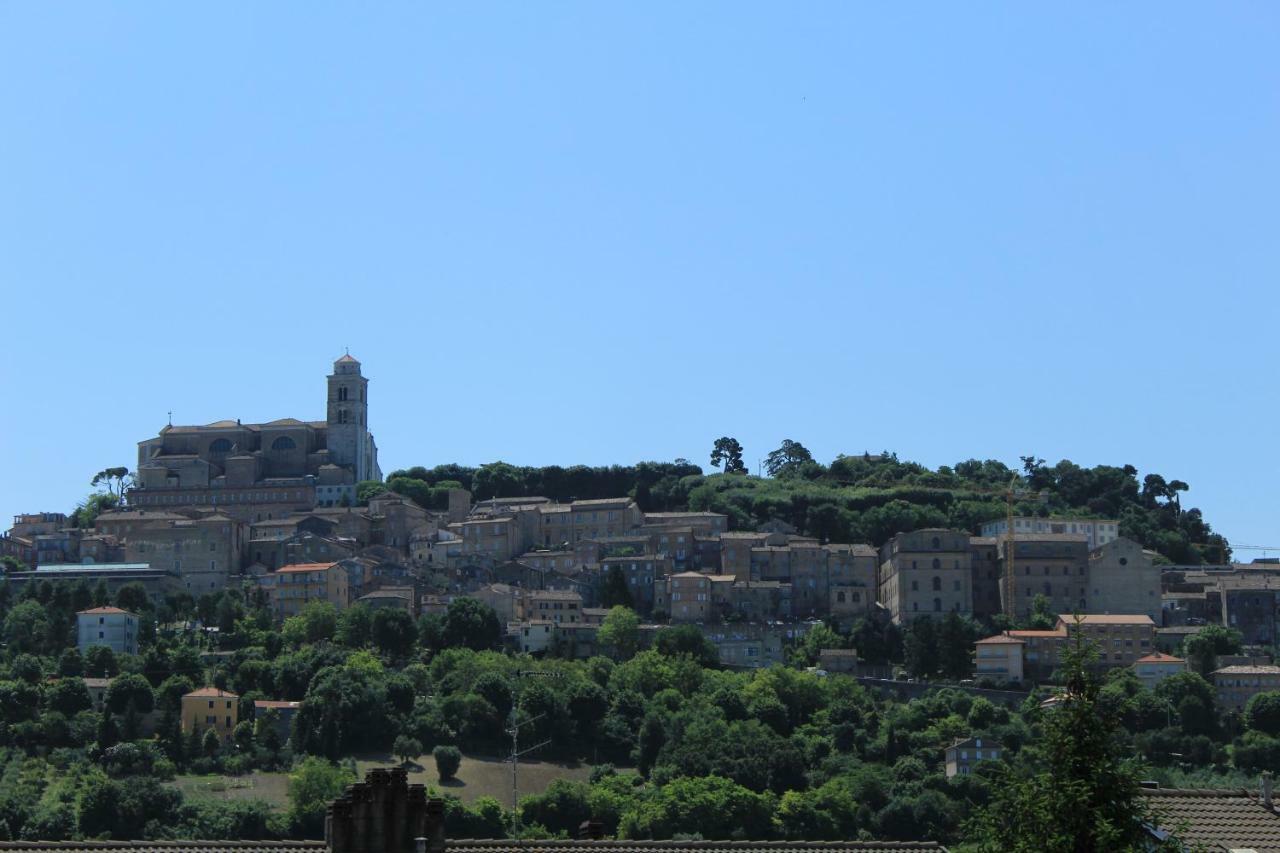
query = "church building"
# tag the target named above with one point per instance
(261, 471)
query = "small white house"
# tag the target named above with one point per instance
(107, 626)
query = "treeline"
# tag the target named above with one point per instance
(865, 498)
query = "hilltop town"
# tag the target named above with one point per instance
(211, 603)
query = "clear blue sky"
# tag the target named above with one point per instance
(595, 233)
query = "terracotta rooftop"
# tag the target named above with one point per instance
(494, 846)
(1110, 619)
(999, 639)
(1216, 820)
(104, 610)
(305, 567)
(212, 693)
(1159, 657)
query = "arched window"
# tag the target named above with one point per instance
(342, 416)
(937, 584)
(283, 443)
(937, 605)
(937, 543)
(221, 445)
(840, 597)
(342, 393)
(937, 564)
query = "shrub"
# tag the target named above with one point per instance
(448, 760)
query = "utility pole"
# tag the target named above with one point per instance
(516, 752)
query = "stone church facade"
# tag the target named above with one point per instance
(262, 471)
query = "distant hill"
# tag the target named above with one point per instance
(867, 498)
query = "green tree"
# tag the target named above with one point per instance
(448, 760)
(1262, 714)
(27, 628)
(1079, 793)
(714, 807)
(313, 784)
(469, 623)
(100, 662)
(393, 631)
(407, 748)
(787, 459)
(615, 592)
(130, 691)
(71, 663)
(687, 640)
(355, 627)
(133, 597)
(728, 452)
(921, 647)
(1203, 647)
(620, 631)
(68, 696)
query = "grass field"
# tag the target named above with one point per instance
(477, 777)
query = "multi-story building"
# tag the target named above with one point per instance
(30, 524)
(1156, 667)
(999, 658)
(926, 573)
(689, 596)
(703, 524)
(1097, 531)
(250, 471)
(203, 550)
(1123, 578)
(1236, 685)
(1120, 639)
(553, 605)
(987, 577)
(641, 574)
(211, 708)
(964, 754)
(107, 626)
(291, 588)
(1050, 564)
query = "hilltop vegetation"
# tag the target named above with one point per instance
(867, 498)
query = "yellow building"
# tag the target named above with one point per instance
(999, 658)
(210, 708)
(294, 587)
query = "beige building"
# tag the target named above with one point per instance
(689, 594)
(211, 708)
(1120, 639)
(252, 470)
(291, 588)
(926, 573)
(1156, 667)
(1123, 578)
(999, 658)
(553, 605)
(1236, 685)
(703, 524)
(203, 550)
(1049, 564)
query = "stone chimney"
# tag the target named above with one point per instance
(1266, 789)
(384, 814)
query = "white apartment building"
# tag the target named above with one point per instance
(107, 626)
(1099, 531)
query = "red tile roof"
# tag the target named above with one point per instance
(105, 610)
(212, 693)
(306, 567)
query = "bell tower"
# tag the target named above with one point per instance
(348, 418)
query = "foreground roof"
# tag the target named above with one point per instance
(494, 846)
(1211, 819)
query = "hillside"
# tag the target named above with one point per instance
(867, 498)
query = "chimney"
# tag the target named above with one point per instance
(384, 814)
(1266, 788)
(590, 830)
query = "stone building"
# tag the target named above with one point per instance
(1123, 578)
(211, 709)
(926, 573)
(202, 550)
(252, 471)
(1049, 564)
(1096, 531)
